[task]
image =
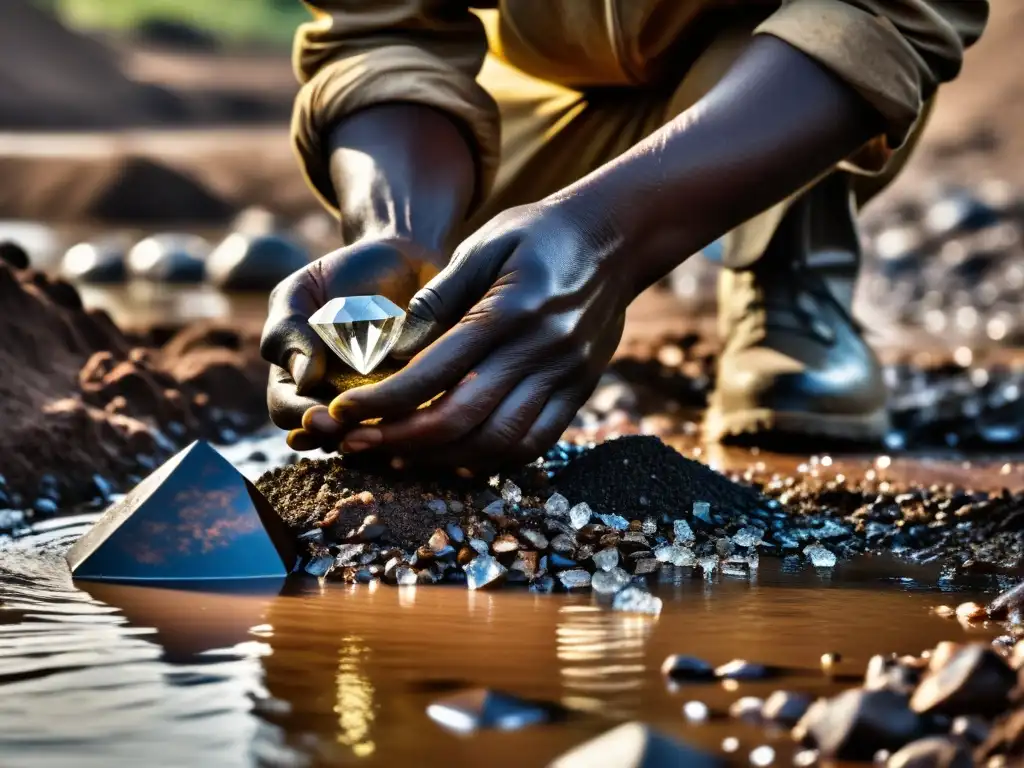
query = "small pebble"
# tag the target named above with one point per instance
(696, 711)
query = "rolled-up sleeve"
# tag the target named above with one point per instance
(359, 53)
(895, 53)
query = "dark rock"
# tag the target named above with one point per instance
(858, 723)
(932, 752)
(975, 681)
(886, 673)
(484, 708)
(196, 517)
(168, 258)
(739, 669)
(97, 262)
(747, 708)
(785, 707)
(13, 254)
(44, 506)
(680, 667)
(634, 745)
(1009, 602)
(1006, 738)
(437, 507)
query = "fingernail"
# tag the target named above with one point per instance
(337, 408)
(317, 419)
(301, 440)
(362, 439)
(300, 370)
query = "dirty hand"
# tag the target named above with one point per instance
(394, 268)
(515, 332)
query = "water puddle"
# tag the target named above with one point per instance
(329, 674)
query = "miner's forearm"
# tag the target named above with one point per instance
(774, 123)
(401, 170)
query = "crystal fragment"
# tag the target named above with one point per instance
(606, 559)
(675, 555)
(480, 546)
(537, 539)
(361, 330)
(708, 564)
(511, 492)
(748, 536)
(609, 582)
(495, 508)
(575, 578)
(320, 566)
(484, 571)
(702, 511)
(819, 556)
(635, 600)
(563, 543)
(683, 532)
(615, 522)
(556, 505)
(580, 515)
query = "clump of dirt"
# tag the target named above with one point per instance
(78, 399)
(640, 475)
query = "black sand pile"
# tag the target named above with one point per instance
(643, 476)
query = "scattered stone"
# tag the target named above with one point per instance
(856, 724)
(1008, 604)
(932, 752)
(887, 673)
(708, 564)
(557, 505)
(634, 745)
(682, 532)
(606, 559)
(1006, 740)
(830, 659)
(702, 512)
(747, 708)
(785, 707)
(615, 522)
(975, 681)
(536, 539)
(484, 572)
(748, 537)
(504, 544)
(740, 669)
(609, 582)
(687, 668)
(973, 730)
(485, 708)
(819, 556)
(439, 541)
(437, 507)
(97, 262)
(254, 261)
(511, 493)
(580, 515)
(574, 578)
(169, 258)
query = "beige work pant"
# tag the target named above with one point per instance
(551, 136)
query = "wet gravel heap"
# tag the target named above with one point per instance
(604, 518)
(623, 512)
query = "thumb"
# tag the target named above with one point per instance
(445, 300)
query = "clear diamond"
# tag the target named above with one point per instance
(360, 329)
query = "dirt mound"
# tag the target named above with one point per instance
(53, 77)
(77, 399)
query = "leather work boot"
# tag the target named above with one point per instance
(794, 364)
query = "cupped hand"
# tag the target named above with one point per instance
(297, 394)
(515, 332)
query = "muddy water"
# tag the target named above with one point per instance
(303, 674)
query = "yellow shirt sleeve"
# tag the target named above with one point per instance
(359, 53)
(895, 53)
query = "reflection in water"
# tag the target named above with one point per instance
(602, 655)
(355, 707)
(332, 674)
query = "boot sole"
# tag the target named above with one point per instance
(758, 425)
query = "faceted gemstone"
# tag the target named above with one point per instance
(360, 329)
(195, 518)
(635, 745)
(483, 708)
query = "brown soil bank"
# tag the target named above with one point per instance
(79, 399)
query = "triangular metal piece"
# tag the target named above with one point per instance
(196, 518)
